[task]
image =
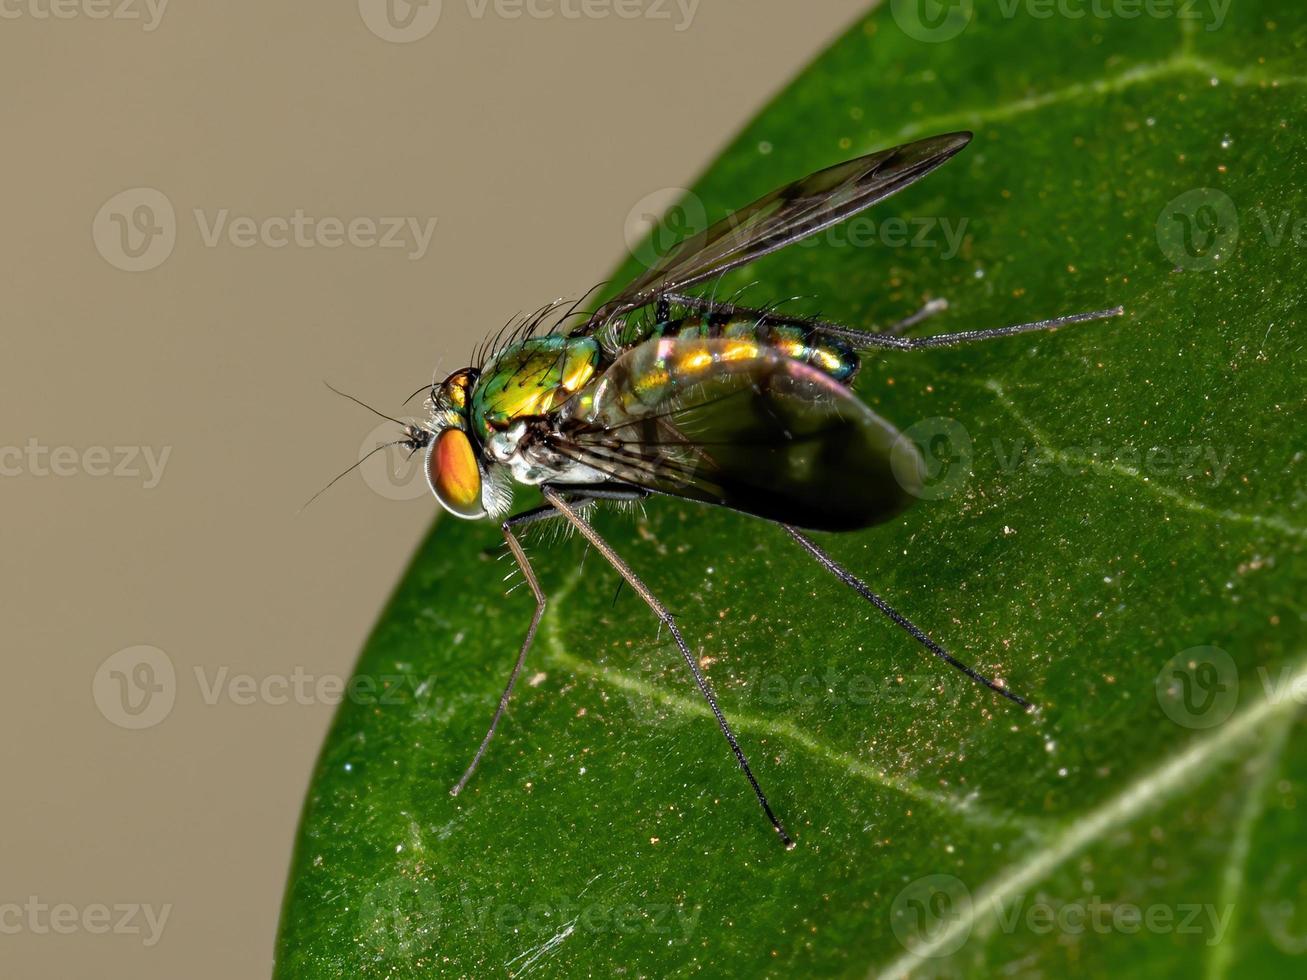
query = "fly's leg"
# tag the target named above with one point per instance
(540, 513)
(543, 513)
(890, 339)
(659, 610)
(895, 342)
(905, 624)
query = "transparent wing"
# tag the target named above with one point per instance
(787, 215)
(739, 425)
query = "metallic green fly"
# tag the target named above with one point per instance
(662, 390)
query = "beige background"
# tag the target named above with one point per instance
(529, 140)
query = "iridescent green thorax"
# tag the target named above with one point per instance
(828, 355)
(530, 378)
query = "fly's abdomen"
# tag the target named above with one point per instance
(830, 356)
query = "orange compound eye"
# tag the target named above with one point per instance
(454, 475)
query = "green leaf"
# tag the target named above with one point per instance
(1115, 526)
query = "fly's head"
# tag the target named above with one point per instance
(461, 478)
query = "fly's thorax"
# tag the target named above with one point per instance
(517, 400)
(530, 379)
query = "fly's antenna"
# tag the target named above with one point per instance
(364, 404)
(353, 466)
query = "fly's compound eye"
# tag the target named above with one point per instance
(454, 475)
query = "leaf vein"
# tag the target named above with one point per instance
(964, 809)
(1236, 868)
(1181, 63)
(1181, 500)
(1141, 796)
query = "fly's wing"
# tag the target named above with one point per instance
(737, 424)
(785, 216)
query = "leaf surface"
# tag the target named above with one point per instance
(1115, 526)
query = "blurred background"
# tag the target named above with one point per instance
(208, 211)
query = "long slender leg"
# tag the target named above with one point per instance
(860, 587)
(890, 339)
(659, 610)
(540, 513)
(543, 513)
(894, 342)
